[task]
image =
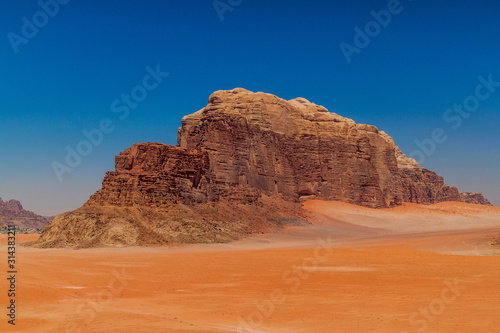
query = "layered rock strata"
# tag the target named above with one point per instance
(243, 164)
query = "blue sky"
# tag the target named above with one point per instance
(66, 75)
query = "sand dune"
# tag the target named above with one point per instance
(404, 219)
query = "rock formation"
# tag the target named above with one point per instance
(13, 213)
(259, 143)
(474, 198)
(243, 164)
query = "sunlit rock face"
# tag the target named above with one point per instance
(243, 164)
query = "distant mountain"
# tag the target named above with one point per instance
(13, 213)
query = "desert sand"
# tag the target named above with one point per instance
(413, 268)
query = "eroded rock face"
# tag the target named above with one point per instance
(416, 184)
(426, 187)
(474, 198)
(261, 144)
(298, 149)
(13, 213)
(161, 194)
(243, 163)
(153, 175)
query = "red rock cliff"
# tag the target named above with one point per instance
(261, 144)
(243, 163)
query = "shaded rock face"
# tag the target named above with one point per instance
(426, 187)
(153, 175)
(243, 164)
(474, 198)
(13, 213)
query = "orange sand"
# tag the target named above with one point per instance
(366, 278)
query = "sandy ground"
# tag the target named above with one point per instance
(409, 269)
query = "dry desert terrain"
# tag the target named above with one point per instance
(414, 268)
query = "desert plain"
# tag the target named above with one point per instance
(413, 268)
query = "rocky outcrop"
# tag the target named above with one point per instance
(13, 213)
(416, 184)
(474, 198)
(161, 194)
(259, 143)
(155, 175)
(243, 164)
(97, 225)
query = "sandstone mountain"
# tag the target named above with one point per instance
(13, 213)
(243, 164)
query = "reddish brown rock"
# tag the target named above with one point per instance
(474, 198)
(261, 144)
(160, 194)
(243, 164)
(153, 175)
(295, 148)
(13, 213)
(416, 184)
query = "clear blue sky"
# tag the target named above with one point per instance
(64, 78)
